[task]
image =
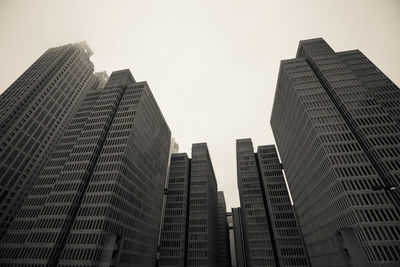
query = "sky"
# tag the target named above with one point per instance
(211, 65)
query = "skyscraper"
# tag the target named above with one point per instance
(173, 148)
(173, 245)
(287, 236)
(223, 243)
(203, 210)
(258, 242)
(336, 123)
(271, 233)
(34, 110)
(99, 199)
(194, 232)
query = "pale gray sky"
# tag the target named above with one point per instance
(212, 65)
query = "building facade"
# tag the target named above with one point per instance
(272, 235)
(236, 239)
(231, 239)
(223, 242)
(99, 199)
(34, 111)
(336, 123)
(173, 148)
(288, 240)
(203, 210)
(194, 232)
(259, 249)
(173, 244)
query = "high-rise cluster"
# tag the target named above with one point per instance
(89, 174)
(84, 174)
(336, 123)
(97, 192)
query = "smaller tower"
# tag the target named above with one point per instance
(271, 232)
(174, 229)
(223, 243)
(203, 210)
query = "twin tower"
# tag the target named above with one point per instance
(89, 176)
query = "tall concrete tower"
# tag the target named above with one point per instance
(34, 111)
(336, 123)
(223, 233)
(272, 235)
(194, 232)
(173, 245)
(99, 199)
(203, 210)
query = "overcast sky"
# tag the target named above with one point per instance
(211, 65)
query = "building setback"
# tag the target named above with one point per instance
(336, 123)
(174, 230)
(223, 243)
(271, 233)
(34, 111)
(99, 199)
(203, 210)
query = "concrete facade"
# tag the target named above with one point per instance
(173, 245)
(272, 236)
(203, 210)
(99, 199)
(34, 112)
(223, 243)
(336, 124)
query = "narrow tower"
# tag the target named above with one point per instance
(223, 243)
(173, 244)
(271, 233)
(237, 238)
(259, 249)
(203, 210)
